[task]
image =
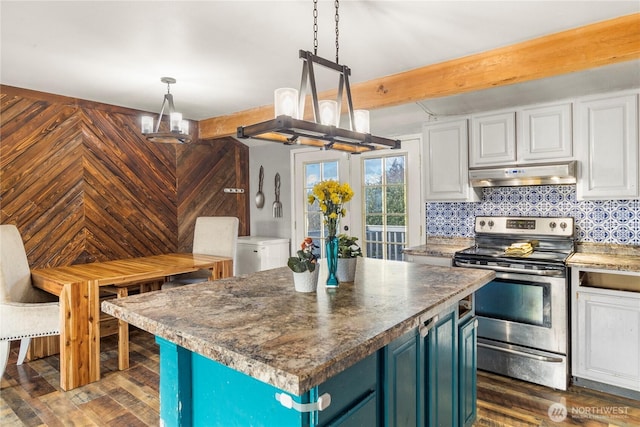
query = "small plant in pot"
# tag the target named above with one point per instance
(305, 267)
(348, 253)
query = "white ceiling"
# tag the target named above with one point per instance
(228, 56)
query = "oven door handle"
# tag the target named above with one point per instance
(459, 263)
(521, 353)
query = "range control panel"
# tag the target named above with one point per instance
(548, 226)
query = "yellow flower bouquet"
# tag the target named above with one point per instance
(331, 197)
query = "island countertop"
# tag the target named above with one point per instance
(260, 326)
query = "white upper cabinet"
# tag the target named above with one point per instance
(493, 139)
(607, 146)
(445, 163)
(544, 133)
(532, 134)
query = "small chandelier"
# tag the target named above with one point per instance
(179, 129)
(288, 127)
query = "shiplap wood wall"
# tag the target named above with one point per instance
(82, 184)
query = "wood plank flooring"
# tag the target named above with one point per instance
(31, 396)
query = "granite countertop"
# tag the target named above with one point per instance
(260, 326)
(606, 257)
(605, 261)
(440, 247)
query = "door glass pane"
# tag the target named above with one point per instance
(385, 216)
(314, 223)
(521, 302)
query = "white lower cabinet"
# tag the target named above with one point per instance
(606, 328)
(257, 253)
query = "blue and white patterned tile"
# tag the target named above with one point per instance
(533, 196)
(599, 234)
(608, 221)
(553, 196)
(622, 234)
(623, 211)
(634, 228)
(497, 196)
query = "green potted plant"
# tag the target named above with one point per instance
(348, 253)
(305, 267)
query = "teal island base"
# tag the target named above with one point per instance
(425, 377)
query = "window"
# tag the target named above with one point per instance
(384, 207)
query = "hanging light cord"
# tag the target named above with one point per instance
(337, 4)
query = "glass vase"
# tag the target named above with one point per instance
(332, 261)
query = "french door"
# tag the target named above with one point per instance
(311, 167)
(386, 212)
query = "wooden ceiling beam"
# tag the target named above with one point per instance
(595, 45)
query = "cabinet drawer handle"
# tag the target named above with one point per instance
(321, 404)
(426, 326)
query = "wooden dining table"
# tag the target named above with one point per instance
(78, 288)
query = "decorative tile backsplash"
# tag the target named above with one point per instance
(603, 221)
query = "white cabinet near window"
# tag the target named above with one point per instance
(446, 161)
(607, 147)
(257, 253)
(493, 139)
(606, 328)
(544, 133)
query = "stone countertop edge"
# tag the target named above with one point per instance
(605, 261)
(440, 247)
(247, 323)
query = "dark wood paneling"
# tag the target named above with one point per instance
(82, 184)
(202, 179)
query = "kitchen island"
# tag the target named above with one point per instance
(251, 351)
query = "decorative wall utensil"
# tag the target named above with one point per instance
(260, 194)
(277, 206)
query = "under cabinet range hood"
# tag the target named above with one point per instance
(510, 176)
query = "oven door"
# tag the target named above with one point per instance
(525, 310)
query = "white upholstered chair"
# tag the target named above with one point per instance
(212, 235)
(25, 311)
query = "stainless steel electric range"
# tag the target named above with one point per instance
(523, 314)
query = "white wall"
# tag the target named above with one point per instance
(274, 158)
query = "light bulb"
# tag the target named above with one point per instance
(361, 121)
(175, 119)
(286, 102)
(328, 112)
(184, 126)
(146, 124)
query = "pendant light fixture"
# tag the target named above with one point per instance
(289, 126)
(178, 128)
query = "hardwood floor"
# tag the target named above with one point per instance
(31, 396)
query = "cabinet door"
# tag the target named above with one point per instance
(493, 139)
(607, 143)
(441, 360)
(607, 345)
(353, 393)
(544, 133)
(248, 259)
(446, 162)
(404, 381)
(467, 348)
